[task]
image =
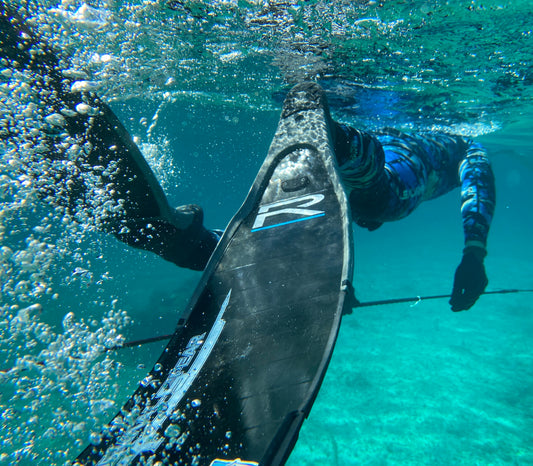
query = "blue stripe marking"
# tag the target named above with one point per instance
(287, 223)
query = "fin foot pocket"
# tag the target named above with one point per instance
(182, 239)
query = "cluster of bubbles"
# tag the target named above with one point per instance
(58, 380)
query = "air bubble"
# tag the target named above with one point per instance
(84, 109)
(95, 438)
(84, 86)
(173, 431)
(55, 119)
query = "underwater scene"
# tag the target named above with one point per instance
(199, 85)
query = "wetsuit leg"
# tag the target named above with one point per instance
(94, 169)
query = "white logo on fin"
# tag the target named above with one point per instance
(269, 210)
(144, 434)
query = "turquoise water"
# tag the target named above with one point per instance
(200, 86)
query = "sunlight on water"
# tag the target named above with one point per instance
(458, 66)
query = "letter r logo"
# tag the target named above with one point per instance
(289, 208)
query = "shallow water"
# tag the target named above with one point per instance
(200, 86)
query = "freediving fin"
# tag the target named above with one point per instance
(97, 173)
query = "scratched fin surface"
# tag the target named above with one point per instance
(238, 378)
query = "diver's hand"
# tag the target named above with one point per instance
(470, 279)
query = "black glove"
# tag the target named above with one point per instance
(470, 279)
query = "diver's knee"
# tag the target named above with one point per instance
(360, 157)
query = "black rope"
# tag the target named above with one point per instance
(383, 302)
(144, 341)
(424, 298)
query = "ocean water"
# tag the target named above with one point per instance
(199, 84)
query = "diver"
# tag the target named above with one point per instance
(389, 173)
(386, 174)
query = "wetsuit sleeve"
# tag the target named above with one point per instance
(478, 195)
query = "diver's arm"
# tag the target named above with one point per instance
(97, 173)
(478, 199)
(478, 195)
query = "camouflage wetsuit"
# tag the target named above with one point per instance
(390, 173)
